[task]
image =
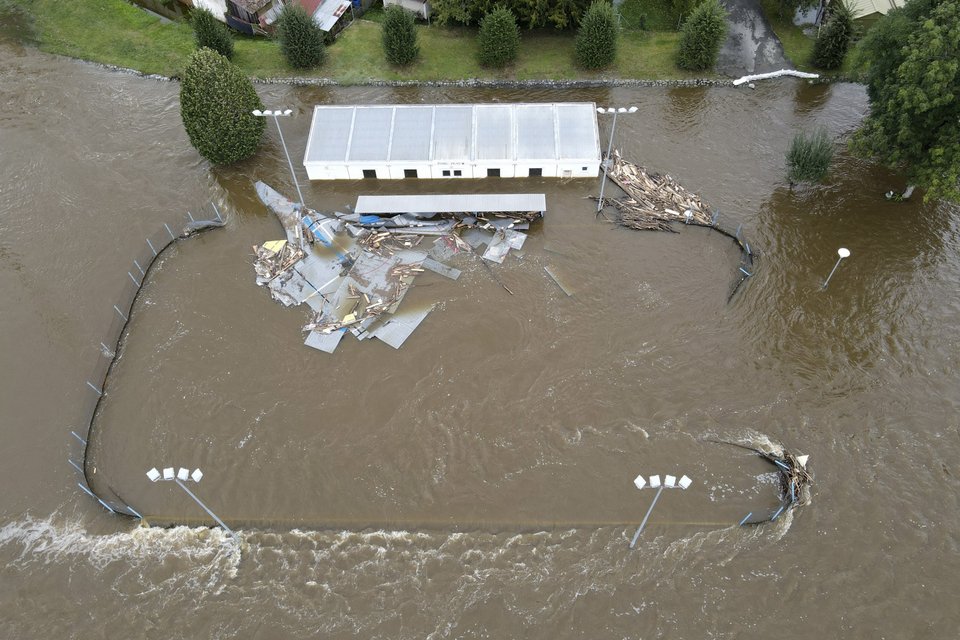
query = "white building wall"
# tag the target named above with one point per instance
(419, 7)
(327, 172)
(396, 170)
(508, 169)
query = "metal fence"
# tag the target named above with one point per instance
(95, 383)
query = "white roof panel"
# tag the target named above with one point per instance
(371, 134)
(536, 132)
(333, 124)
(454, 133)
(411, 133)
(578, 130)
(494, 132)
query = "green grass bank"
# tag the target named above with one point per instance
(117, 33)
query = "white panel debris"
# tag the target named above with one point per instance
(353, 270)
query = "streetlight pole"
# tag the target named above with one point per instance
(669, 482)
(606, 163)
(184, 475)
(843, 253)
(277, 113)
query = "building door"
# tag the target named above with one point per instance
(493, 173)
(370, 173)
(409, 173)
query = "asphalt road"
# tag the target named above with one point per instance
(751, 46)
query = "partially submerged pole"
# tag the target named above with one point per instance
(843, 253)
(207, 509)
(669, 482)
(644, 522)
(606, 161)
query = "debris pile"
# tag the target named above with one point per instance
(654, 201)
(354, 269)
(793, 474)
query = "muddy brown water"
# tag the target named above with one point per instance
(477, 482)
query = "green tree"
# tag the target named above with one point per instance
(499, 38)
(447, 11)
(399, 36)
(913, 82)
(596, 43)
(211, 33)
(701, 37)
(809, 157)
(831, 45)
(786, 8)
(530, 14)
(682, 9)
(301, 39)
(216, 101)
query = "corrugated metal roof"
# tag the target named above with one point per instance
(451, 203)
(861, 8)
(453, 132)
(329, 12)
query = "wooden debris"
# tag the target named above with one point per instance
(653, 202)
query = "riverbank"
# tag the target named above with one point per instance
(127, 37)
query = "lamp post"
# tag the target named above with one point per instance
(843, 253)
(183, 475)
(606, 163)
(277, 113)
(669, 482)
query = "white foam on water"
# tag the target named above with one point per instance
(49, 541)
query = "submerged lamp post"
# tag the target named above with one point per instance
(613, 128)
(277, 113)
(669, 482)
(843, 253)
(183, 475)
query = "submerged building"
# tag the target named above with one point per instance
(453, 141)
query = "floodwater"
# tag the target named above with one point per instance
(476, 483)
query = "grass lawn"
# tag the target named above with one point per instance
(115, 32)
(797, 45)
(658, 15)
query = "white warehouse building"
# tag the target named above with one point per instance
(453, 141)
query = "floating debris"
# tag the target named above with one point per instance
(654, 201)
(794, 480)
(354, 269)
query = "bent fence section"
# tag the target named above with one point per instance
(154, 246)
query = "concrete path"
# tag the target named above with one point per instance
(751, 46)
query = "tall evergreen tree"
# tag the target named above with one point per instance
(211, 33)
(399, 36)
(499, 38)
(913, 82)
(596, 43)
(301, 39)
(216, 101)
(831, 45)
(701, 37)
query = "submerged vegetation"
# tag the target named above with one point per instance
(809, 157)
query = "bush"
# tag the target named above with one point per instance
(499, 38)
(399, 36)
(301, 39)
(216, 101)
(701, 37)
(596, 44)
(831, 45)
(809, 157)
(211, 33)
